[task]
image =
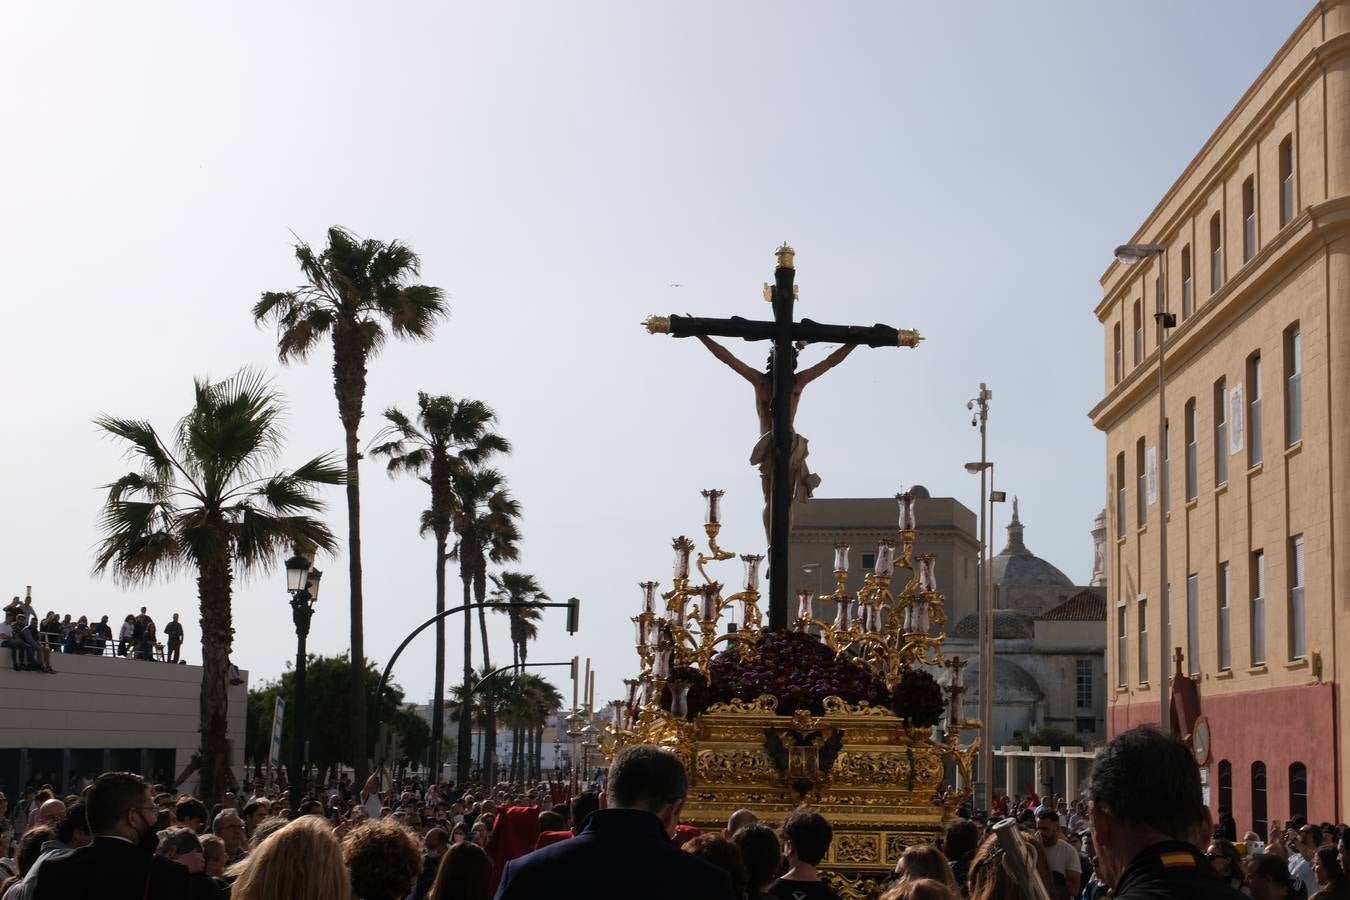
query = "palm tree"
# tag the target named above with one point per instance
(519, 595)
(547, 701)
(484, 521)
(449, 435)
(355, 292)
(206, 502)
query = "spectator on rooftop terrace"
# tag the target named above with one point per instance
(127, 635)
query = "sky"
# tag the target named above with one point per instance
(565, 170)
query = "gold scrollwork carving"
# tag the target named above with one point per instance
(764, 703)
(861, 888)
(874, 767)
(856, 847)
(836, 706)
(732, 766)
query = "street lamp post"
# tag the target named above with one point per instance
(984, 604)
(302, 581)
(1129, 254)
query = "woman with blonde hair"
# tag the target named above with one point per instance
(302, 861)
(922, 861)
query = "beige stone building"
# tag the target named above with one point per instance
(1254, 472)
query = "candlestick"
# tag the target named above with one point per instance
(906, 502)
(804, 604)
(679, 699)
(683, 547)
(586, 683)
(713, 513)
(927, 579)
(708, 603)
(648, 596)
(752, 562)
(640, 624)
(885, 557)
(841, 556)
(842, 618)
(661, 668)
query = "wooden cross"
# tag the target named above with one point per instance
(783, 331)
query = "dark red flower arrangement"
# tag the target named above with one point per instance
(794, 667)
(918, 698)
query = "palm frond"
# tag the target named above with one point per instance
(413, 310)
(145, 443)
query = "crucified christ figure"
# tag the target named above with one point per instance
(803, 482)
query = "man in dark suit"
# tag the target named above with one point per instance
(624, 851)
(115, 867)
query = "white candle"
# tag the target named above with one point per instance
(648, 596)
(752, 562)
(708, 610)
(927, 580)
(841, 557)
(683, 547)
(842, 618)
(804, 605)
(885, 558)
(906, 502)
(713, 513)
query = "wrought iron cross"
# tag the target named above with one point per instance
(783, 331)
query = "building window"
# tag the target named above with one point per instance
(1298, 791)
(1298, 621)
(1141, 478)
(1248, 218)
(1120, 495)
(1254, 410)
(1220, 433)
(1286, 180)
(1119, 354)
(1226, 785)
(1193, 624)
(1293, 381)
(1085, 725)
(1138, 333)
(1187, 292)
(1122, 638)
(1143, 640)
(1083, 683)
(869, 561)
(1192, 452)
(1258, 608)
(1225, 620)
(1215, 253)
(1259, 798)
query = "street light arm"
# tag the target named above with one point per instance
(389, 666)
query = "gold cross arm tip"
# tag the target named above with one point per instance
(657, 324)
(908, 337)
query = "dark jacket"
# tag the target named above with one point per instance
(1173, 869)
(620, 854)
(112, 869)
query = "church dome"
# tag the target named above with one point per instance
(1018, 566)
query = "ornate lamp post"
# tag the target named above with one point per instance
(302, 582)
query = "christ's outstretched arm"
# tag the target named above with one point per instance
(825, 365)
(745, 371)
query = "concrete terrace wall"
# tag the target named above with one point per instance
(102, 703)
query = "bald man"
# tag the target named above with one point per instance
(50, 812)
(738, 820)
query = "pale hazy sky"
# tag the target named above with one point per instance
(961, 168)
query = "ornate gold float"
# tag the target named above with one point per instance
(876, 774)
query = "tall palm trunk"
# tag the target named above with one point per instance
(538, 773)
(464, 754)
(438, 695)
(480, 597)
(349, 384)
(214, 583)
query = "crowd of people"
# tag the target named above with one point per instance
(32, 640)
(1142, 832)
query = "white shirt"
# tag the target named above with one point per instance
(1062, 858)
(1301, 870)
(6, 632)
